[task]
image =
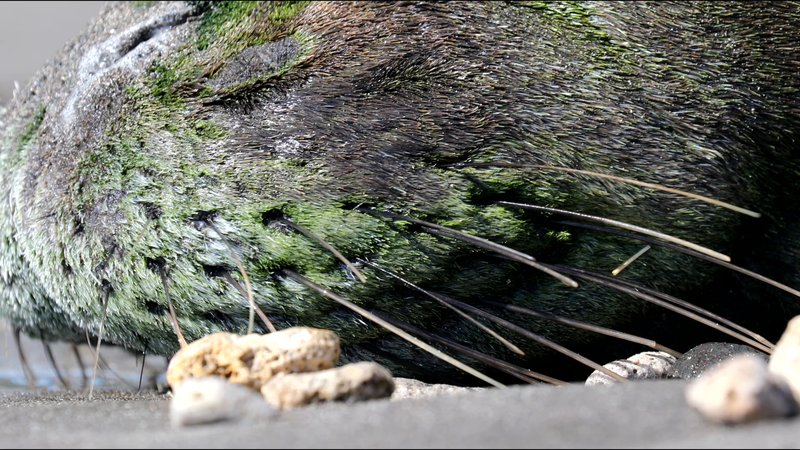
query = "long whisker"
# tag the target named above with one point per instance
(538, 338)
(687, 251)
(253, 305)
(76, 352)
(30, 377)
(618, 285)
(248, 288)
(103, 365)
(586, 326)
(52, 360)
(141, 371)
(623, 225)
(688, 305)
(521, 373)
(99, 339)
(367, 315)
(107, 366)
(630, 260)
(620, 179)
(442, 301)
(508, 252)
(691, 307)
(327, 246)
(176, 327)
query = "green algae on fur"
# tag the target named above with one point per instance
(222, 128)
(33, 127)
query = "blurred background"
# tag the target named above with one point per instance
(31, 33)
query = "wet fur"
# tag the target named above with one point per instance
(137, 157)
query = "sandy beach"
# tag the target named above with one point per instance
(645, 414)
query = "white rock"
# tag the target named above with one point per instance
(785, 359)
(641, 366)
(213, 399)
(407, 388)
(349, 383)
(253, 359)
(741, 390)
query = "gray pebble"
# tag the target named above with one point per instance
(705, 356)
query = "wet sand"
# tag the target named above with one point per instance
(645, 414)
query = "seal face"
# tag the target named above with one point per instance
(179, 153)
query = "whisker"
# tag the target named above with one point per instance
(442, 301)
(508, 252)
(538, 338)
(526, 375)
(30, 376)
(103, 365)
(76, 352)
(623, 225)
(176, 327)
(107, 366)
(327, 246)
(141, 371)
(586, 326)
(48, 351)
(686, 251)
(620, 179)
(397, 331)
(618, 285)
(248, 295)
(692, 307)
(630, 260)
(254, 309)
(253, 305)
(106, 291)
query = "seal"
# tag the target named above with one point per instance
(469, 173)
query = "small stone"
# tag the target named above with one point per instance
(741, 390)
(703, 357)
(407, 388)
(254, 359)
(785, 359)
(641, 366)
(204, 400)
(349, 383)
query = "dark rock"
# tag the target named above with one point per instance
(701, 358)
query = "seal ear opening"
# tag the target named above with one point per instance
(155, 308)
(213, 271)
(203, 218)
(272, 215)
